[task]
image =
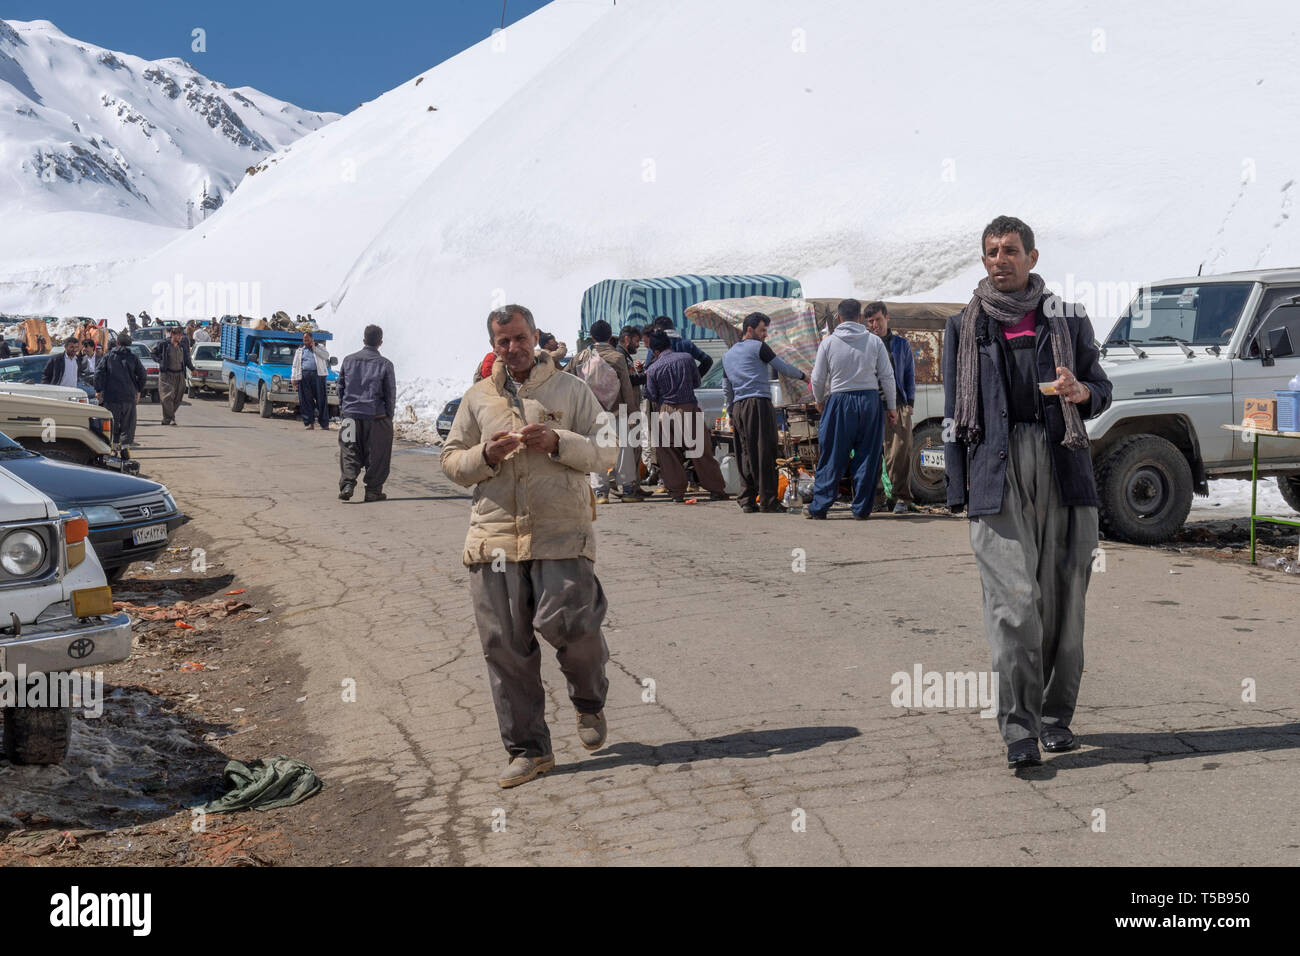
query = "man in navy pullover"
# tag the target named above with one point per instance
(898, 433)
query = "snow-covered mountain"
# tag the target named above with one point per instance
(857, 146)
(104, 155)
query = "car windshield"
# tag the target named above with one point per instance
(207, 353)
(141, 350)
(21, 370)
(10, 448)
(278, 353)
(1194, 314)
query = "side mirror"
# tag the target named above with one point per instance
(334, 360)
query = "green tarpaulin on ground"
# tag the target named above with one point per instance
(265, 785)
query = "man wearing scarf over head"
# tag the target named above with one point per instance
(1017, 459)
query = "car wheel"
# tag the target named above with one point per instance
(1145, 486)
(235, 396)
(37, 735)
(929, 485)
(114, 575)
(264, 406)
(1289, 485)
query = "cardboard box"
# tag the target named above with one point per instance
(1260, 413)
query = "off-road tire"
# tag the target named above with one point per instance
(1145, 487)
(264, 406)
(235, 396)
(37, 735)
(1289, 485)
(924, 492)
(62, 449)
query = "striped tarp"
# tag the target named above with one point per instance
(638, 301)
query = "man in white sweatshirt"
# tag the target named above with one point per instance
(850, 375)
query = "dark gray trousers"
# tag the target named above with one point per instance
(123, 420)
(560, 599)
(1035, 559)
(371, 450)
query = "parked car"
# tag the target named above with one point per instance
(131, 519)
(443, 424)
(144, 353)
(60, 612)
(150, 336)
(27, 369)
(69, 431)
(206, 376)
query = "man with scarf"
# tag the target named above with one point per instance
(1017, 459)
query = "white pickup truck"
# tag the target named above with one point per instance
(56, 613)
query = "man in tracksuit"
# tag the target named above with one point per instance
(747, 390)
(1017, 458)
(119, 383)
(898, 434)
(849, 377)
(367, 403)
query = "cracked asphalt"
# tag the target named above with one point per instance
(750, 704)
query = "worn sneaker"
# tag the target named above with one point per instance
(602, 499)
(522, 769)
(900, 508)
(630, 494)
(591, 730)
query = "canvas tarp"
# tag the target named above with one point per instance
(791, 333)
(639, 301)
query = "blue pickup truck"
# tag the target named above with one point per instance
(256, 365)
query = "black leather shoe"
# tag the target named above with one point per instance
(1057, 740)
(748, 509)
(1024, 753)
(776, 509)
(346, 490)
(376, 497)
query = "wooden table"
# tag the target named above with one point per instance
(1254, 478)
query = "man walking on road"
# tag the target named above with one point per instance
(1019, 462)
(525, 438)
(367, 404)
(173, 357)
(681, 431)
(747, 391)
(119, 383)
(851, 372)
(898, 432)
(627, 486)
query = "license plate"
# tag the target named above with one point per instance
(149, 535)
(931, 457)
(444, 423)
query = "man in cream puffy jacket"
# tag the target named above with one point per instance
(525, 438)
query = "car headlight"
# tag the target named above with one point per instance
(276, 381)
(21, 553)
(101, 514)
(169, 501)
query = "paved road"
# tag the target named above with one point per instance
(772, 687)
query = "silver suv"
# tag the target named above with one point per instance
(1182, 358)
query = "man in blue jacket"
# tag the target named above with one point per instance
(1017, 459)
(747, 390)
(898, 432)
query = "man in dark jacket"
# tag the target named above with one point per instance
(66, 369)
(173, 357)
(119, 383)
(367, 404)
(898, 434)
(1021, 371)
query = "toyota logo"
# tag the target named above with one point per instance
(81, 647)
(145, 512)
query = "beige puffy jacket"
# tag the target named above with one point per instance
(534, 505)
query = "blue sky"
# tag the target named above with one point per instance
(322, 55)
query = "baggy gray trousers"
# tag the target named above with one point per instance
(1035, 559)
(560, 599)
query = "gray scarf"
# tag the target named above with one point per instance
(1008, 309)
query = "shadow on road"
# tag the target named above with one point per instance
(1152, 747)
(744, 745)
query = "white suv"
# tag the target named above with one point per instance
(56, 613)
